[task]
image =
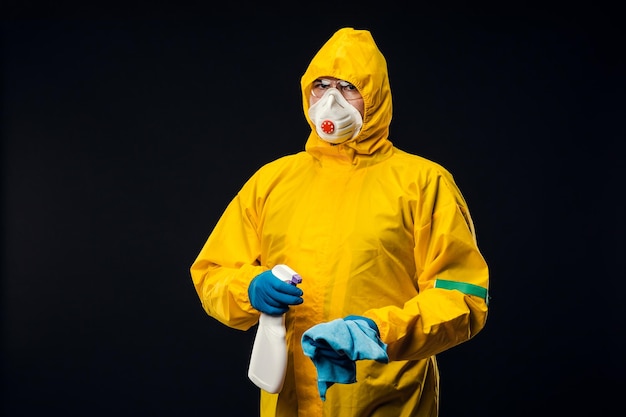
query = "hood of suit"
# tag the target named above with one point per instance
(353, 56)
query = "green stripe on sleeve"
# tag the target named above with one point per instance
(464, 287)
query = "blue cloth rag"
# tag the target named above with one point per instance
(336, 345)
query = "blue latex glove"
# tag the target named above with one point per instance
(336, 345)
(270, 295)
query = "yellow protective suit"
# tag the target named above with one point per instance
(373, 231)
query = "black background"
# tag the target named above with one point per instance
(125, 138)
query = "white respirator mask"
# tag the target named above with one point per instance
(335, 119)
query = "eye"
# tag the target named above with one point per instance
(321, 84)
(346, 86)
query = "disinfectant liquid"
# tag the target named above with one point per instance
(268, 361)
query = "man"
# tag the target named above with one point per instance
(383, 240)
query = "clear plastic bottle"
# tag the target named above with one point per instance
(268, 361)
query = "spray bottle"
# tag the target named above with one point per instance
(268, 361)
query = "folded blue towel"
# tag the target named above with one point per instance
(336, 345)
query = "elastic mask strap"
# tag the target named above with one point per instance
(464, 287)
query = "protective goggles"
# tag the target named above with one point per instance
(347, 90)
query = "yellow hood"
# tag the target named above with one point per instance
(353, 56)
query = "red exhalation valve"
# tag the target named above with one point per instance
(327, 127)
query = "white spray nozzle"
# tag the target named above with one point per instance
(287, 274)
